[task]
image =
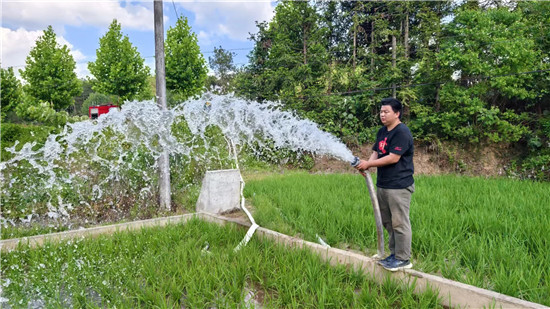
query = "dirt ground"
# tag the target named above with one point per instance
(438, 159)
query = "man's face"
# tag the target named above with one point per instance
(387, 115)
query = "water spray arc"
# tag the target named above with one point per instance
(375, 208)
(119, 153)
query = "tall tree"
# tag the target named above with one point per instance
(79, 100)
(290, 57)
(483, 44)
(10, 91)
(119, 68)
(50, 72)
(222, 64)
(537, 15)
(185, 66)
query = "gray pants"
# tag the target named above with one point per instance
(394, 210)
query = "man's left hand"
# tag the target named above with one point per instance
(362, 167)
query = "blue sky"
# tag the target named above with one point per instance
(79, 24)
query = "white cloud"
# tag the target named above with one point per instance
(205, 38)
(38, 14)
(234, 19)
(16, 45)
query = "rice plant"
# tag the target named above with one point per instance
(190, 265)
(491, 233)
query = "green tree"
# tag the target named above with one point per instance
(483, 43)
(289, 59)
(119, 68)
(50, 72)
(185, 66)
(79, 100)
(537, 16)
(10, 91)
(222, 64)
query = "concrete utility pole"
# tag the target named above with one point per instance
(164, 159)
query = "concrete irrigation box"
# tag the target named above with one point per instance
(220, 192)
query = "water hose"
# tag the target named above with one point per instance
(321, 241)
(254, 226)
(375, 208)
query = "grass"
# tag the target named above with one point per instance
(491, 233)
(167, 268)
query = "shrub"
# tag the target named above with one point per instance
(12, 132)
(536, 167)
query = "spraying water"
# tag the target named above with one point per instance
(246, 122)
(89, 162)
(114, 159)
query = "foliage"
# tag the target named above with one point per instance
(288, 60)
(22, 133)
(477, 238)
(170, 267)
(469, 119)
(32, 110)
(185, 66)
(149, 91)
(464, 72)
(44, 113)
(11, 94)
(119, 68)
(49, 72)
(536, 167)
(97, 99)
(79, 100)
(222, 65)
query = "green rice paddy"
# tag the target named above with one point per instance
(169, 267)
(490, 233)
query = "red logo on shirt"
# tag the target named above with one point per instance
(382, 145)
(398, 148)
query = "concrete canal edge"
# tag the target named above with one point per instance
(39, 240)
(451, 293)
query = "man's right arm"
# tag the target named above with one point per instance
(373, 156)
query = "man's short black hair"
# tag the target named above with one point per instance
(396, 106)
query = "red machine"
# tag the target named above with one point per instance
(95, 111)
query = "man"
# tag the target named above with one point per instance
(393, 156)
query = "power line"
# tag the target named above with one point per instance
(425, 84)
(144, 57)
(231, 49)
(176, 11)
(375, 89)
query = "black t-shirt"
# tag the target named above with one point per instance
(399, 141)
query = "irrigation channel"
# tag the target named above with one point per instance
(93, 163)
